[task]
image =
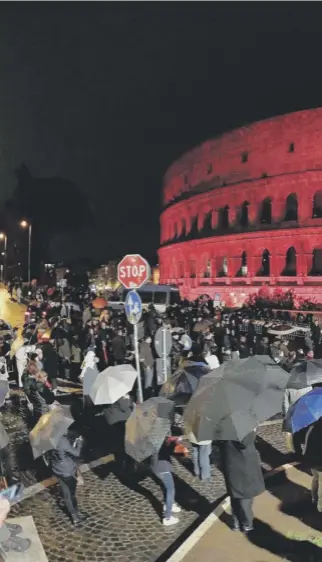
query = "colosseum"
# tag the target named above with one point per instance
(245, 210)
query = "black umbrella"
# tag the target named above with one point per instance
(305, 374)
(185, 380)
(250, 392)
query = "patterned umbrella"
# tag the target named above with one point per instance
(47, 433)
(147, 427)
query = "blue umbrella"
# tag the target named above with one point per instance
(304, 412)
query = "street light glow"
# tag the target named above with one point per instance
(24, 224)
(2, 235)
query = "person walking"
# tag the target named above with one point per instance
(161, 467)
(63, 462)
(244, 479)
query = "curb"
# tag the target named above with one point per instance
(202, 529)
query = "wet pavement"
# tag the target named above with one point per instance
(125, 514)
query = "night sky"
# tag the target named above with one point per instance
(109, 94)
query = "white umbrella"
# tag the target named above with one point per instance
(112, 383)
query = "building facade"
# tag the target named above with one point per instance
(245, 210)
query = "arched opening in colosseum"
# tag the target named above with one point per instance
(223, 268)
(244, 214)
(242, 271)
(266, 211)
(316, 262)
(194, 232)
(224, 217)
(183, 228)
(207, 225)
(317, 205)
(207, 269)
(193, 269)
(265, 267)
(291, 208)
(290, 263)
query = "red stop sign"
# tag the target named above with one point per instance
(133, 271)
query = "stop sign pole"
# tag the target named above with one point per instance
(133, 271)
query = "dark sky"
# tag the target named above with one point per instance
(108, 94)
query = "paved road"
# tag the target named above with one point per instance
(124, 523)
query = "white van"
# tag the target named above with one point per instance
(161, 296)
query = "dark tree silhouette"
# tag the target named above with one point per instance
(53, 205)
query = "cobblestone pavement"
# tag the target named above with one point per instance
(125, 523)
(125, 517)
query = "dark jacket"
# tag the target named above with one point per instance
(50, 360)
(118, 348)
(63, 459)
(39, 395)
(118, 412)
(241, 468)
(146, 354)
(161, 461)
(312, 450)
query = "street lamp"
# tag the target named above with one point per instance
(5, 240)
(25, 224)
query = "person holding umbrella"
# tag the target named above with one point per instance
(244, 479)
(161, 467)
(312, 454)
(63, 462)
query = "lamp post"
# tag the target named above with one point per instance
(5, 241)
(25, 224)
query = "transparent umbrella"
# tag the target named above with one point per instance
(49, 430)
(147, 427)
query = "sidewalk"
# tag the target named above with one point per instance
(288, 528)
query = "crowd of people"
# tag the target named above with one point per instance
(61, 339)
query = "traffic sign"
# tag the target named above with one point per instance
(133, 271)
(163, 341)
(133, 307)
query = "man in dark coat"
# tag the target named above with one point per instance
(118, 348)
(50, 360)
(244, 479)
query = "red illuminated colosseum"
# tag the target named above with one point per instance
(245, 209)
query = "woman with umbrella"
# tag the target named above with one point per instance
(161, 467)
